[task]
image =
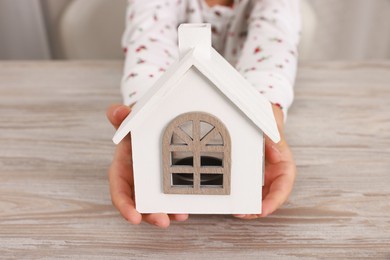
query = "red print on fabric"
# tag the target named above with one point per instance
(141, 48)
(132, 75)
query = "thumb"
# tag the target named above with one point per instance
(273, 153)
(277, 152)
(117, 113)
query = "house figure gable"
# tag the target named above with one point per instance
(213, 66)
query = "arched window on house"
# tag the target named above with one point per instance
(196, 153)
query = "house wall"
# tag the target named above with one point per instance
(195, 94)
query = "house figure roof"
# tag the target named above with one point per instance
(196, 50)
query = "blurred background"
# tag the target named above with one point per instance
(91, 29)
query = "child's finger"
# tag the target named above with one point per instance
(272, 152)
(121, 191)
(117, 113)
(178, 217)
(126, 207)
(158, 219)
(246, 216)
(278, 193)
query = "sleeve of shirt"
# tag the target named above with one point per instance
(269, 56)
(150, 44)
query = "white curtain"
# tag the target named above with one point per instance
(23, 34)
(351, 29)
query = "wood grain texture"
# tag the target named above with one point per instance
(55, 149)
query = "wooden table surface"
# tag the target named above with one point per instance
(55, 149)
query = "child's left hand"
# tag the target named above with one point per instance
(280, 172)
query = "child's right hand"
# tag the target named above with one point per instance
(121, 178)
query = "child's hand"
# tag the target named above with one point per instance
(121, 178)
(280, 172)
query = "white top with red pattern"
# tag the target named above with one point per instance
(258, 37)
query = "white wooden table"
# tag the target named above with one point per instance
(55, 148)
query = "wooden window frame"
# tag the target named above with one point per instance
(196, 146)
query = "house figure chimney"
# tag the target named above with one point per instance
(197, 37)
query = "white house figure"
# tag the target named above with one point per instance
(197, 135)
